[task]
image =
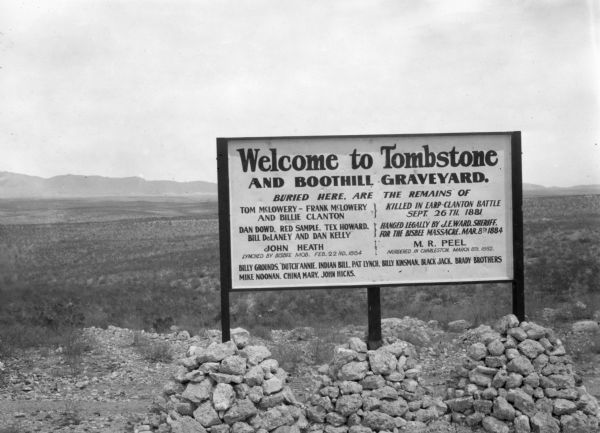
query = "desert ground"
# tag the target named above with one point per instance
(99, 298)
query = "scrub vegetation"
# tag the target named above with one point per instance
(141, 271)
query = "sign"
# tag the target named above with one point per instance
(361, 211)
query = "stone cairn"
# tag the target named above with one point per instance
(365, 391)
(521, 379)
(231, 387)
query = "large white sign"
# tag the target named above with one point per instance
(368, 211)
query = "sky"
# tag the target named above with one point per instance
(143, 88)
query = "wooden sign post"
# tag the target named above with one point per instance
(370, 211)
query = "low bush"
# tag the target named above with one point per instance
(152, 350)
(288, 355)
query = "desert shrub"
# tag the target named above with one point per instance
(59, 314)
(71, 414)
(74, 344)
(163, 324)
(11, 429)
(18, 336)
(261, 331)
(152, 350)
(4, 378)
(321, 347)
(594, 347)
(288, 355)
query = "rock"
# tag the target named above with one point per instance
(335, 419)
(459, 325)
(241, 410)
(480, 379)
(499, 379)
(216, 352)
(585, 326)
(477, 351)
(353, 371)
(324, 402)
(255, 394)
(223, 396)
(316, 414)
(521, 365)
(254, 376)
(378, 421)
(460, 404)
(172, 387)
(543, 422)
(184, 407)
(198, 392)
(375, 381)
(535, 331)
(532, 380)
(225, 378)
(359, 429)
(397, 348)
(563, 407)
(514, 380)
(272, 400)
(219, 428)
(350, 387)
(381, 362)
(522, 424)
(575, 423)
(503, 410)
(332, 429)
(495, 348)
(474, 419)
(241, 427)
(206, 415)
(186, 424)
(272, 385)
(530, 348)
(385, 393)
(240, 337)
(342, 356)
(522, 401)
(274, 418)
(269, 365)
(394, 408)
(483, 406)
(357, 345)
(519, 334)
(255, 354)
(425, 415)
(233, 365)
(209, 367)
(330, 391)
(348, 404)
(493, 425)
(503, 324)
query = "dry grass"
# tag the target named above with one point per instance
(152, 350)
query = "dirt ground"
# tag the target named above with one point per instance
(112, 387)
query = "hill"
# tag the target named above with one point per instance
(13, 185)
(533, 190)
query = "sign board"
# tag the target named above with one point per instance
(362, 211)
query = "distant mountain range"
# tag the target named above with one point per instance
(532, 190)
(13, 185)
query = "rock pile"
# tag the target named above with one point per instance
(521, 378)
(231, 387)
(363, 391)
(410, 329)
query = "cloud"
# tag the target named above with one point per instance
(117, 88)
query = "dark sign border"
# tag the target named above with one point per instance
(225, 229)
